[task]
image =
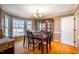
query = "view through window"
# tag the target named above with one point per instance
(18, 27)
(5, 25)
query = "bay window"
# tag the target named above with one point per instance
(18, 27)
(29, 25)
(13, 27)
(5, 25)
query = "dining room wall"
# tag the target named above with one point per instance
(57, 26)
(57, 29)
(76, 15)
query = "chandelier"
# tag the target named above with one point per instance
(37, 15)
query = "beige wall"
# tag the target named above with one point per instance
(57, 28)
(76, 14)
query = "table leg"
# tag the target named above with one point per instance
(24, 42)
(42, 46)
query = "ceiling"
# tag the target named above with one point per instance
(28, 10)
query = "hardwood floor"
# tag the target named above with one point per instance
(57, 48)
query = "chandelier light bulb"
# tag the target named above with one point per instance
(35, 15)
(40, 15)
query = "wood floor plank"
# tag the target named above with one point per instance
(57, 48)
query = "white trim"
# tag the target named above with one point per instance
(57, 32)
(75, 8)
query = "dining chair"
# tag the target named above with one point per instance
(47, 41)
(31, 40)
(24, 41)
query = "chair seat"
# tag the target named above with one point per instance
(35, 41)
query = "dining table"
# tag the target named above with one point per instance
(40, 37)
